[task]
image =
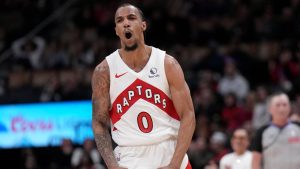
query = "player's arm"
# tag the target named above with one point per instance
(100, 118)
(182, 100)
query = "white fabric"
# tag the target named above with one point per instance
(126, 131)
(78, 153)
(236, 84)
(261, 116)
(234, 161)
(144, 93)
(33, 56)
(147, 157)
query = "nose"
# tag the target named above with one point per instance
(126, 23)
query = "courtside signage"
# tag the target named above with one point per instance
(44, 124)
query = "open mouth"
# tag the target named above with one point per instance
(128, 35)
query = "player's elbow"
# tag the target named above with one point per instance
(97, 126)
(193, 121)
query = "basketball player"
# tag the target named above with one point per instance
(277, 145)
(140, 90)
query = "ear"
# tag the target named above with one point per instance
(144, 25)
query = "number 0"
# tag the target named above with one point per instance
(146, 128)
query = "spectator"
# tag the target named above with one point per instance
(52, 90)
(30, 159)
(205, 102)
(89, 152)
(260, 115)
(63, 157)
(218, 146)
(232, 114)
(233, 82)
(85, 162)
(199, 154)
(285, 71)
(296, 104)
(55, 57)
(240, 158)
(28, 52)
(248, 107)
(211, 165)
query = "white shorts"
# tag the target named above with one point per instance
(148, 157)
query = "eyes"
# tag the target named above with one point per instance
(281, 104)
(130, 17)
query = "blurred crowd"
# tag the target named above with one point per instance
(234, 54)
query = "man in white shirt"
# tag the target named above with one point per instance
(233, 81)
(241, 158)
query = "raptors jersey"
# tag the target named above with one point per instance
(142, 111)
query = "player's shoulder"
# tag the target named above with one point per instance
(102, 66)
(102, 69)
(170, 60)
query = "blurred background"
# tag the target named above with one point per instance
(234, 53)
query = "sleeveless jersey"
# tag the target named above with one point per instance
(142, 111)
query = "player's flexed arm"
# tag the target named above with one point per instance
(101, 105)
(183, 104)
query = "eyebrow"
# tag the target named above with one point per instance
(129, 15)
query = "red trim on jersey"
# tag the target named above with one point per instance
(188, 166)
(169, 108)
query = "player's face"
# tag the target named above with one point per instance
(129, 27)
(240, 141)
(280, 107)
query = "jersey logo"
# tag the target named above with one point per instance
(140, 89)
(153, 73)
(118, 76)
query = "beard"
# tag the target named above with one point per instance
(131, 48)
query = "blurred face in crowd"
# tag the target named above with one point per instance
(261, 93)
(279, 107)
(240, 141)
(67, 146)
(230, 68)
(88, 145)
(130, 27)
(230, 100)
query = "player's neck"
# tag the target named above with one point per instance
(136, 58)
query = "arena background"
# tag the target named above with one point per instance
(234, 53)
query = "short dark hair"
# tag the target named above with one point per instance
(241, 129)
(275, 94)
(138, 9)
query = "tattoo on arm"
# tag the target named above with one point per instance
(101, 106)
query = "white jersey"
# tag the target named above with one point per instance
(142, 112)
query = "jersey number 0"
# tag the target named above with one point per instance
(143, 118)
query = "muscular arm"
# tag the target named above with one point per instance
(101, 105)
(183, 104)
(256, 160)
